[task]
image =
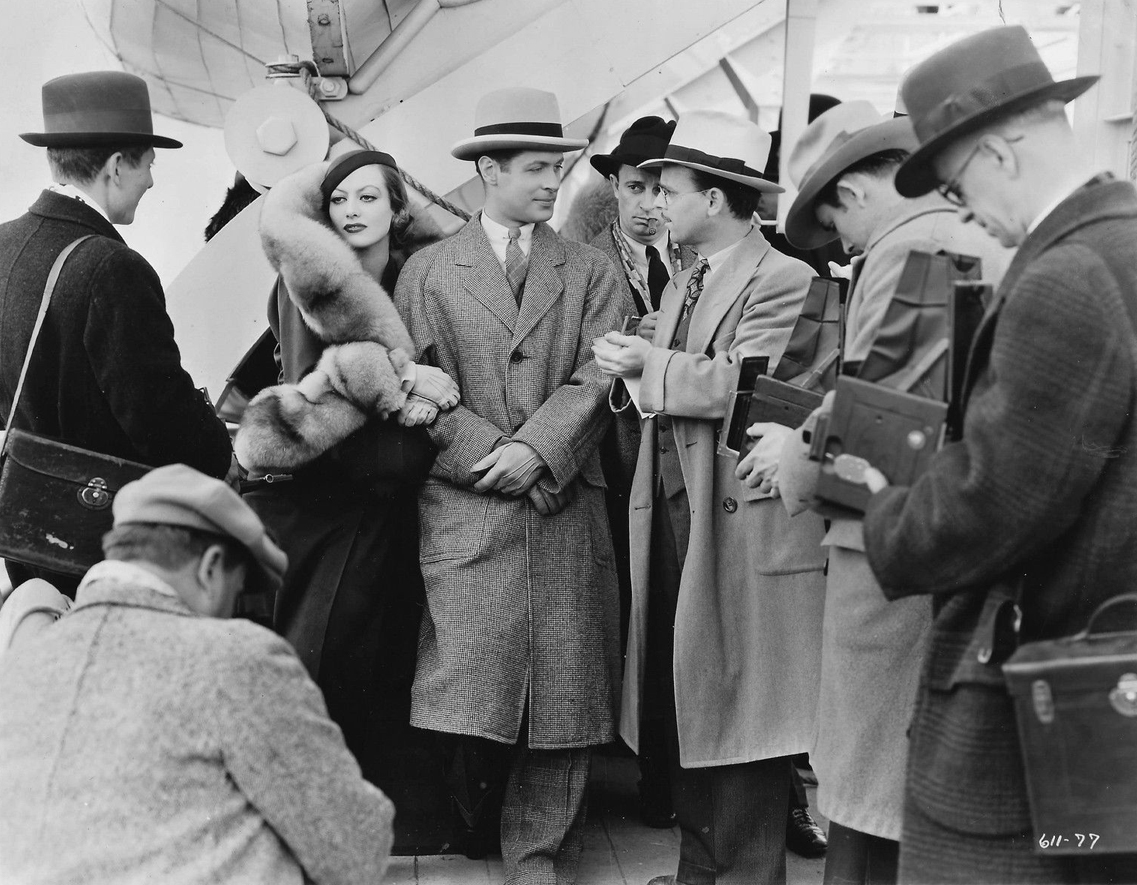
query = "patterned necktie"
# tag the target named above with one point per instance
(516, 264)
(694, 287)
(658, 276)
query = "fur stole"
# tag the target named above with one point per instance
(289, 425)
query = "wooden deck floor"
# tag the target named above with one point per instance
(618, 849)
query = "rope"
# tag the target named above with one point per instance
(456, 211)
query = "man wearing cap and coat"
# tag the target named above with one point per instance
(1036, 502)
(843, 166)
(147, 737)
(106, 373)
(519, 646)
(727, 592)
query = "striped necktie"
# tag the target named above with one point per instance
(516, 264)
(694, 287)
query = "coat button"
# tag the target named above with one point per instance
(516, 357)
(674, 343)
(729, 505)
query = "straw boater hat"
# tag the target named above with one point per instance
(969, 85)
(516, 119)
(644, 139)
(842, 136)
(96, 109)
(722, 145)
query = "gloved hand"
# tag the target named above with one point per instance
(510, 469)
(435, 385)
(417, 410)
(549, 503)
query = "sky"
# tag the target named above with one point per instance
(48, 38)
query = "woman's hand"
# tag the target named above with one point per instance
(435, 385)
(417, 410)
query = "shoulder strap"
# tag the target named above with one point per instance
(48, 288)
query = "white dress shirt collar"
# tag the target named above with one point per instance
(499, 237)
(69, 190)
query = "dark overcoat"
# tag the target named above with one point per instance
(1042, 486)
(106, 374)
(519, 607)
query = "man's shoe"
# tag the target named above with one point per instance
(662, 880)
(804, 836)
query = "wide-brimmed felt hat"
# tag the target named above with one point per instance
(839, 138)
(719, 144)
(181, 496)
(970, 84)
(516, 119)
(646, 138)
(95, 109)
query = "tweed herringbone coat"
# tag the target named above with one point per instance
(519, 607)
(1043, 486)
(748, 623)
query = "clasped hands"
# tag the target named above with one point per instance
(513, 469)
(432, 389)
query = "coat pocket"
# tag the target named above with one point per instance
(965, 767)
(452, 522)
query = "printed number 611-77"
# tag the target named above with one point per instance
(1045, 841)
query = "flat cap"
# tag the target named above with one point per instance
(179, 495)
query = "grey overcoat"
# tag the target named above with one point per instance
(748, 624)
(518, 606)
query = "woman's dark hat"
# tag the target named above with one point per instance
(644, 139)
(969, 85)
(341, 167)
(96, 109)
(841, 137)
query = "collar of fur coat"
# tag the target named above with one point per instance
(337, 298)
(368, 347)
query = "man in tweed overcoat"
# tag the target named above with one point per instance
(519, 649)
(1040, 494)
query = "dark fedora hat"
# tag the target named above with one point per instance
(95, 109)
(968, 85)
(644, 139)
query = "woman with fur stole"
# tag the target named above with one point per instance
(339, 425)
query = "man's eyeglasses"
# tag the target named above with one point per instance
(950, 191)
(669, 194)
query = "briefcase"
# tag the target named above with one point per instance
(55, 501)
(1076, 704)
(896, 432)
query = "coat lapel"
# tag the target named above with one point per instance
(482, 275)
(543, 283)
(724, 287)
